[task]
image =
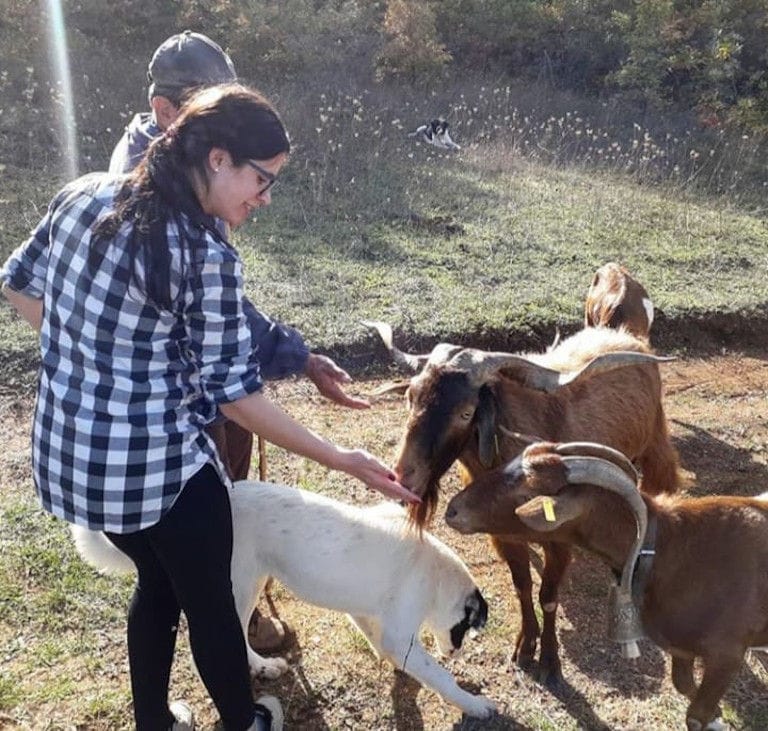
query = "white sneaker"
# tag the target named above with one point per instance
(185, 719)
(269, 714)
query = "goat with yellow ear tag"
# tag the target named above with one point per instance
(693, 578)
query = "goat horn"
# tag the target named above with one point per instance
(407, 360)
(626, 624)
(592, 449)
(519, 436)
(610, 361)
(442, 353)
(599, 472)
(556, 340)
(481, 365)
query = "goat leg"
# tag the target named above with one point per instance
(682, 676)
(557, 557)
(704, 710)
(516, 556)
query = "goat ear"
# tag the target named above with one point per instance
(545, 513)
(485, 421)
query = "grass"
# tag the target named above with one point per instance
(496, 246)
(494, 252)
(59, 621)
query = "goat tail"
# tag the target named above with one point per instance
(98, 551)
(660, 464)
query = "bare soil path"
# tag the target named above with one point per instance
(719, 421)
(718, 412)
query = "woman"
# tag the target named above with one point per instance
(139, 301)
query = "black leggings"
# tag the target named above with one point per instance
(184, 564)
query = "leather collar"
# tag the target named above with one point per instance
(644, 563)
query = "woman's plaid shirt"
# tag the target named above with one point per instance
(125, 390)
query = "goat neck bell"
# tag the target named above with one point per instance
(605, 467)
(624, 625)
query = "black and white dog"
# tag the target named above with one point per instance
(367, 562)
(435, 133)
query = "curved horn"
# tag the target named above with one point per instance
(407, 360)
(592, 449)
(610, 361)
(599, 472)
(556, 340)
(482, 365)
(442, 353)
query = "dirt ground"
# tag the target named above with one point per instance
(717, 412)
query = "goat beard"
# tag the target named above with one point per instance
(421, 514)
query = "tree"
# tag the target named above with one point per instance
(413, 49)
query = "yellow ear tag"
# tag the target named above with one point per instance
(549, 509)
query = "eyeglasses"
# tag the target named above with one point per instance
(271, 178)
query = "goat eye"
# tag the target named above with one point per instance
(467, 415)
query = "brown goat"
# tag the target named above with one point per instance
(703, 594)
(467, 405)
(615, 299)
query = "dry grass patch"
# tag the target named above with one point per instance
(61, 626)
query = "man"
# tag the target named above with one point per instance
(181, 64)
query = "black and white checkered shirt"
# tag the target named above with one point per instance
(125, 390)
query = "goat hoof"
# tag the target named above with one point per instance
(525, 649)
(524, 657)
(551, 678)
(716, 724)
(525, 662)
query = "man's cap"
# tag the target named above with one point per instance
(185, 61)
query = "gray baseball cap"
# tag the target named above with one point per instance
(185, 61)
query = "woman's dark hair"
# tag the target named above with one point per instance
(231, 117)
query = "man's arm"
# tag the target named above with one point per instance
(282, 352)
(329, 379)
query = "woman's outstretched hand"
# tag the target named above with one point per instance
(258, 414)
(375, 474)
(328, 378)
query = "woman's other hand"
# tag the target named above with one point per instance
(328, 378)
